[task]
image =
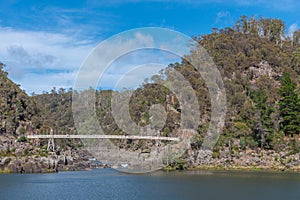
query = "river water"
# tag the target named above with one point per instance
(110, 184)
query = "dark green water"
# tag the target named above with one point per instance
(110, 184)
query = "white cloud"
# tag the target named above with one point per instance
(115, 57)
(133, 77)
(292, 28)
(223, 14)
(40, 60)
(45, 82)
(146, 40)
(118, 55)
(223, 18)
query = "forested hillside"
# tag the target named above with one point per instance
(19, 113)
(22, 115)
(260, 67)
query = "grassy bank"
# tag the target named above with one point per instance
(5, 171)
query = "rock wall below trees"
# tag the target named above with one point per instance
(247, 160)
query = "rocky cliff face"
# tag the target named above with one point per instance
(234, 158)
(18, 156)
(45, 164)
(247, 160)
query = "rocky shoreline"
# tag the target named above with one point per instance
(30, 157)
(252, 160)
(269, 160)
(49, 164)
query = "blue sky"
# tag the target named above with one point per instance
(44, 43)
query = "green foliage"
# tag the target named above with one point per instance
(241, 129)
(216, 153)
(22, 131)
(278, 141)
(263, 124)
(178, 164)
(26, 152)
(289, 106)
(248, 142)
(22, 139)
(295, 146)
(251, 56)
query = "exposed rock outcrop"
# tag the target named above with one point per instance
(248, 159)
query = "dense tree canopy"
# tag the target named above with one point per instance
(252, 57)
(289, 106)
